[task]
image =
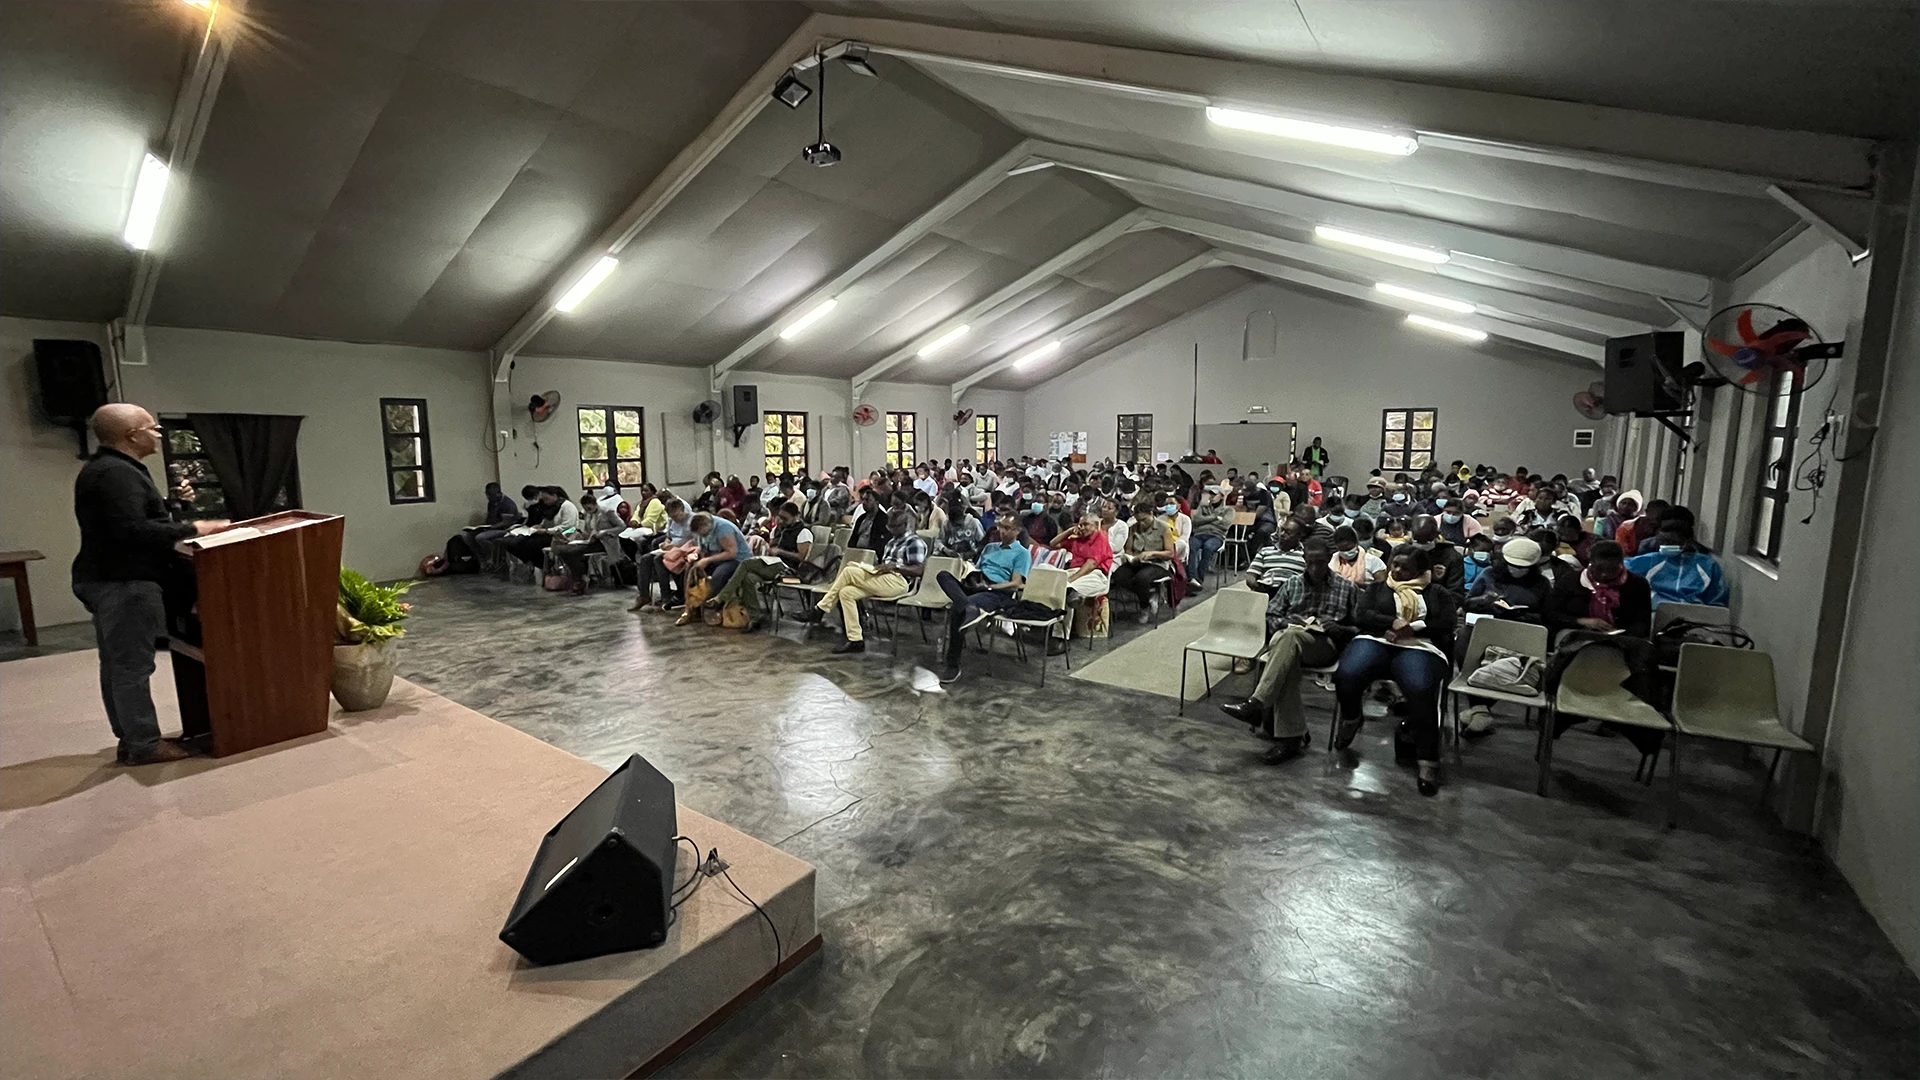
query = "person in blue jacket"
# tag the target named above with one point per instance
(1680, 570)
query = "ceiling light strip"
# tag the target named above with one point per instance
(814, 314)
(149, 194)
(1373, 141)
(1444, 303)
(1333, 235)
(1441, 326)
(1034, 356)
(588, 282)
(944, 340)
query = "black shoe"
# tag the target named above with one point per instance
(951, 673)
(1249, 712)
(849, 647)
(1429, 787)
(812, 615)
(1349, 727)
(1285, 750)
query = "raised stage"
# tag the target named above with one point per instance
(328, 907)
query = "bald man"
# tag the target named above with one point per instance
(126, 544)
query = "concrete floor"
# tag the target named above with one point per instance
(1076, 882)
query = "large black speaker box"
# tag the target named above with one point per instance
(746, 405)
(1644, 373)
(603, 880)
(69, 379)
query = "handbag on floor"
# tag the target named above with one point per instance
(1508, 672)
(732, 616)
(697, 592)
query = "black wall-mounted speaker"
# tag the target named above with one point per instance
(69, 379)
(1643, 373)
(746, 405)
(603, 879)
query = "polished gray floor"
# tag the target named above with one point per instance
(1076, 882)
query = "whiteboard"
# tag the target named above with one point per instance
(1258, 447)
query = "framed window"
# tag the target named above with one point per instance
(612, 446)
(403, 423)
(986, 437)
(1406, 438)
(786, 438)
(1776, 466)
(900, 451)
(1135, 440)
(194, 492)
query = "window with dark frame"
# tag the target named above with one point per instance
(986, 437)
(403, 423)
(1134, 442)
(1406, 438)
(1776, 467)
(612, 446)
(900, 448)
(194, 492)
(786, 445)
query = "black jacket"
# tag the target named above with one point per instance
(125, 533)
(1568, 603)
(1379, 607)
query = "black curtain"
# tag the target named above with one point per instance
(252, 455)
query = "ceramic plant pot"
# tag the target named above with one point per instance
(363, 674)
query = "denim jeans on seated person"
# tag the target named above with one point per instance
(966, 604)
(1200, 558)
(1420, 675)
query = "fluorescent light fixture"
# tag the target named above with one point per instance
(1441, 326)
(149, 192)
(1444, 303)
(1034, 356)
(945, 340)
(799, 326)
(1373, 243)
(1287, 127)
(588, 282)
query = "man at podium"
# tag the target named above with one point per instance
(126, 549)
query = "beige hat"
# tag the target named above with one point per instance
(1520, 552)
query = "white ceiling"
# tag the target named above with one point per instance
(425, 173)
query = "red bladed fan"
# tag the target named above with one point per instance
(865, 415)
(961, 417)
(540, 407)
(1592, 402)
(1748, 343)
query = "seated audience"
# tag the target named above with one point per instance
(668, 559)
(1089, 557)
(1513, 587)
(961, 534)
(1679, 570)
(1573, 541)
(869, 523)
(559, 518)
(1604, 596)
(1479, 557)
(597, 525)
(789, 553)
(902, 559)
(1309, 620)
(1626, 507)
(723, 547)
(1144, 559)
(994, 583)
(1456, 524)
(1406, 630)
(1632, 533)
(1278, 561)
(1448, 561)
(1209, 523)
(708, 501)
(1359, 565)
(472, 546)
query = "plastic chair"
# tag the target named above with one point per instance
(1728, 695)
(927, 594)
(842, 535)
(1705, 614)
(1591, 688)
(1237, 628)
(1046, 586)
(1525, 638)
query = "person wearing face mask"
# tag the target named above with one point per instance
(1353, 562)
(1679, 570)
(1435, 499)
(1209, 534)
(1512, 587)
(1457, 526)
(1479, 557)
(1397, 507)
(1181, 524)
(1407, 625)
(1341, 511)
(1503, 529)
(1606, 596)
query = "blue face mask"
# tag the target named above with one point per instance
(1399, 496)
(1170, 509)
(1439, 502)
(1451, 519)
(1037, 507)
(1483, 557)
(1670, 550)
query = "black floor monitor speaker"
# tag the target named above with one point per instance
(746, 405)
(603, 880)
(69, 378)
(1644, 373)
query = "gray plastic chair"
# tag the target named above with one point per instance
(1046, 586)
(1592, 688)
(1237, 627)
(1705, 614)
(1525, 638)
(927, 594)
(1728, 695)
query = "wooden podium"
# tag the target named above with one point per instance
(253, 664)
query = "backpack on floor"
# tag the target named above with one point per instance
(558, 581)
(1508, 672)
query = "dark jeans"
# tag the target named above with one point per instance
(1139, 578)
(653, 569)
(573, 555)
(128, 619)
(965, 606)
(463, 556)
(1420, 675)
(1200, 554)
(527, 548)
(718, 575)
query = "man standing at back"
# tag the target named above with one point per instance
(126, 543)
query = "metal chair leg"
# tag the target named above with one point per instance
(1184, 654)
(1767, 788)
(1673, 771)
(1546, 751)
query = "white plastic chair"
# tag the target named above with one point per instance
(1046, 586)
(927, 594)
(1592, 687)
(1525, 638)
(1237, 628)
(1728, 695)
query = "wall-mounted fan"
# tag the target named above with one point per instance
(865, 415)
(540, 406)
(962, 417)
(1592, 402)
(706, 412)
(1747, 343)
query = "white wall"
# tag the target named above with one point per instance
(1341, 363)
(38, 463)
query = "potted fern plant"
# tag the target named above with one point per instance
(367, 634)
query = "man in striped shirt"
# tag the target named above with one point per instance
(1278, 561)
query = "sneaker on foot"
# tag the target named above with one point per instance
(950, 673)
(1153, 606)
(978, 618)
(849, 647)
